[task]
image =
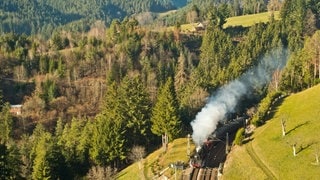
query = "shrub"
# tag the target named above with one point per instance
(259, 118)
(239, 137)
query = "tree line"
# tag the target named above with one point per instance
(43, 17)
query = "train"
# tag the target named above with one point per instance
(213, 150)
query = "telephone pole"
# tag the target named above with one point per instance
(227, 143)
(188, 146)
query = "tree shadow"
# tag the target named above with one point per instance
(247, 140)
(302, 147)
(277, 102)
(297, 126)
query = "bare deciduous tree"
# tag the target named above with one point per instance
(165, 142)
(20, 73)
(137, 154)
(284, 119)
(144, 18)
(294, 149)
(276, 78)
(274, 5)
(283, 126)
(192, 16)
(293, 144)
(101, 173)
(316, 154)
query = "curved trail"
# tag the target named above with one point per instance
(258, 162)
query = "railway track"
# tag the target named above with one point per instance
(204, 174)
(208, 162)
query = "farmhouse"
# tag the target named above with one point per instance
(199, 27)
(16, 109)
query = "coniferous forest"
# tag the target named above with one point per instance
(94, 82)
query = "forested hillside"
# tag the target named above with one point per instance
(201, 10)
(42, 16)
(89, 99)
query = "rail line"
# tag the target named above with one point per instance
(204, 174)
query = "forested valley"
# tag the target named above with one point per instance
(90, 97)
(34, 17)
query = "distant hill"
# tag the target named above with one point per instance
(42, 16)
(270, 155)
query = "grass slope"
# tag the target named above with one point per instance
(245, 21)
(271, 155)
(249, 20)
(154, 163)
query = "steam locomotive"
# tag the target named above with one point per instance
(212, 150)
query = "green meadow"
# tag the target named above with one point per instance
(249, 20)
(245, 21)
(158, 161)
(269, 154)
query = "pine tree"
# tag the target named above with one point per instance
(108, 138)
(70, 140)
(165, 115)
(108, 141)
(5, 123)
(10, 162)
(1, 101)
(293, 13)
(136, 108)
(216, 50)
(181, 75)
(48, 162)
(4, 171)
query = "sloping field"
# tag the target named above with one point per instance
(245, 21)
(249, 20)
(270, 154)
(158, 162)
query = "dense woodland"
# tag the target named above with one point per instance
(35, 17)
(42, 16)
(89, 98)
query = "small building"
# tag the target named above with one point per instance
(199, 27)
(16, 109)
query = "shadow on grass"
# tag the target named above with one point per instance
(117, 176)
(248, 137)
(275, 107)
(298, 126)
(247, 140)
(302, 147)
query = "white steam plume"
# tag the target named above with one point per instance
(226, 98)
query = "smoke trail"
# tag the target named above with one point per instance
(227, 97)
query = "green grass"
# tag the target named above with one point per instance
(160, 15)
(249, 20)
(245, 21)
(273, 153)
(239, 166)
(154, 163)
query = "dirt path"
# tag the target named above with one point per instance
(258, 161)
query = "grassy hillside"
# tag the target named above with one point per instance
(156, 162)
(271, 155)
(245, 21)
(249, 20)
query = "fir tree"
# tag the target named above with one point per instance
(108, 138)
(165, 115)
(136, 108)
